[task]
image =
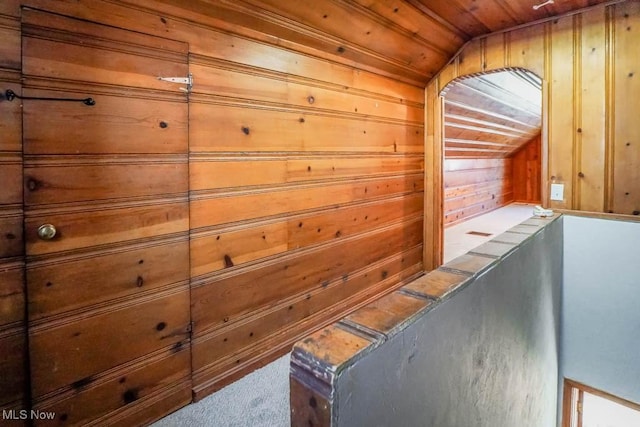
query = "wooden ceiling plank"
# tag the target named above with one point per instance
(353, 27)
(495, 107)
(423, 8)
(458, 16)
(523, 11)
(410, 40)
(503, 97)
(490, 13)
(451, 118)
(462, 143)
(415, 21)
(484, 130)
(483, 112)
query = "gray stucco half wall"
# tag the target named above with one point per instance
(601, 307)
(485, 357)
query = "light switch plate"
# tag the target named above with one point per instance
(557, 192)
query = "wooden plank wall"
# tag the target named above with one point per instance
(305, 179)
(113, 180)
(526, 173)
(476, 186)
(588, 62)
(306, 198)
(13, 342)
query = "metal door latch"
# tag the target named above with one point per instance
(180, 80)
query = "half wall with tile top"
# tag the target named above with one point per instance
(475, 342)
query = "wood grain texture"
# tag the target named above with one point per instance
(10, 47)
(308, 406)
(491, 115)
(626, 145)
(13, 351)
(264, 156)
(301, 273)
(12, 294)
(291, 315)
(62, 284)
(227, 208)
(581, 135)
(110, 290)
(11, 117)
(13, 338)
(114, 125)
(246, 128)
(215, 250)
(68, 353)
(65, 183)
(105, 225)
(93, 398)
(592, 138)
(527, 183)
(586, 76)
(433, 177)
(562, 131)
(472, 187)
(11, 236)
(387, 313)
(220, 172)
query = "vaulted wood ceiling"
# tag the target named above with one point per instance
(408, 39)
(492, 115)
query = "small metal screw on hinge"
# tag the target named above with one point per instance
(580, 174)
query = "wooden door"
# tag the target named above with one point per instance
(108, 295)
(13, 378)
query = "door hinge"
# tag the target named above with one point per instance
(180, 80)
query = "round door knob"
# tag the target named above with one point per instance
(46, 231)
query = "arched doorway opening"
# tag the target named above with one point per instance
(492, 156)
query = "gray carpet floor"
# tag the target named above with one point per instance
(261, 399)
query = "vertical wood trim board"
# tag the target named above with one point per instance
(527, 173)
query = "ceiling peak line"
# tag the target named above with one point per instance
(303, 29)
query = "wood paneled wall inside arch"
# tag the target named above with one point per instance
(590, 139)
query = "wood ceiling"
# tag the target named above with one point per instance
(408, 39)
(492, 115)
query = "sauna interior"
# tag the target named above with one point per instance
(190, 187)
